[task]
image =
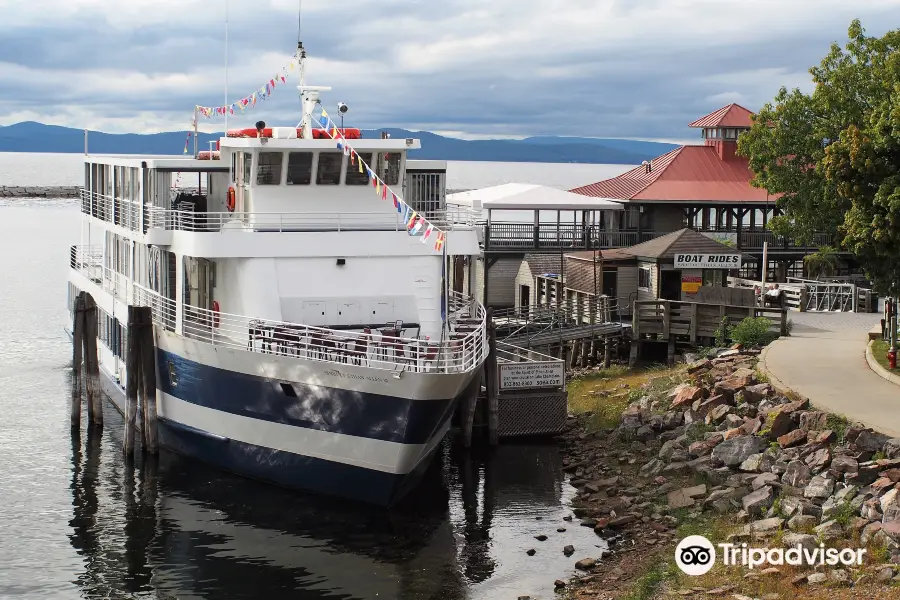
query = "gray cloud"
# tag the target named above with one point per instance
(637, 68)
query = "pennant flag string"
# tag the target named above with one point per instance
(415, 223)
(261, 93)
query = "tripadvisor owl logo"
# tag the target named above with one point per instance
(695, 555)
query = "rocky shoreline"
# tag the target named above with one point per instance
(30, 191)
(715, 441)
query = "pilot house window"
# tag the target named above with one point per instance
(389, 167)
(329, 172)
(268, 170)
(356, 170)
(299, 171)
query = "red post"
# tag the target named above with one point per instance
(892, 359)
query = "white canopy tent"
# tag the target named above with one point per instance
(530, 203)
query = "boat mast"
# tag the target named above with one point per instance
(309, 95)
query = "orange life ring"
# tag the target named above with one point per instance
(231, 197)
(215, 317)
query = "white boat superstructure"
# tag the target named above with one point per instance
(305, 332)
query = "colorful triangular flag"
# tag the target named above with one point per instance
(427, 233)
(439, 242)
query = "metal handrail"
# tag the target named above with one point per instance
(463, 352)
(88, 260)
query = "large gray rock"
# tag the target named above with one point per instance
(870, 441)
(819, 487)
(844, 464)
(797, 474)
(665, 453)
(736, 450)
(756, 503)
(802, 522)
(753, 464)
(792, 540)
(891, 448)
(829, 530)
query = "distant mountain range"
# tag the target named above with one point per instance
(37, 137)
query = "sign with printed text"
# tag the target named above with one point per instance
(518, 376)
(690, 284)
(707, 261)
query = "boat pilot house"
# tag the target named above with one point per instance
(677, 265)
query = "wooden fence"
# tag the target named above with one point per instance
(666, 319)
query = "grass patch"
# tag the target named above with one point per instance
(606, 393)
(839, 424)
(879, 351)
(649, 584)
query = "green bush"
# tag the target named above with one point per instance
(752, 332)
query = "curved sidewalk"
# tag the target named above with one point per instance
(824, 359)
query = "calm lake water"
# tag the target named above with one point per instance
(19, 168)
(79, 523)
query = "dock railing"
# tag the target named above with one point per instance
(816, 295)
(384, 349)
(693, 320)
(795, 296)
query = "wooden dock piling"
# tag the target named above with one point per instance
(92, 362)
(84, 352)
(77, 346)
(140, 388)
(492, 383)
(132, 365)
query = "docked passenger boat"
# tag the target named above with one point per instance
(304, 329)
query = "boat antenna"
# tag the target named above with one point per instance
(300, 24)
(226, 66)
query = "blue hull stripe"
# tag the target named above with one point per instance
(334, 410)
(292, 470)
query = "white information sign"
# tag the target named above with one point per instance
(707, 261)
(516, 376)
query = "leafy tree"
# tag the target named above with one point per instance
(832, 155)
(824, 263)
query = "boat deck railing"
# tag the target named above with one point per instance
(378, 348)
(183, 220)
(89, 261)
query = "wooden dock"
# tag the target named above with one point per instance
(691, 322)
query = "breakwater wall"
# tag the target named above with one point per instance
(39, 191)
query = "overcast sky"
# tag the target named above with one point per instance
(472, 68)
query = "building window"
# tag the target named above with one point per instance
(299, 170)
(389, 167)
(268, 169)
(713, 278)
(356, 170)
(329, 171)
(644, 278)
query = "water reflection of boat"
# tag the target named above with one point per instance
(185, 531)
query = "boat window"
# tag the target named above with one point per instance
(299, 171)
(356, 171)
(329, 171)
(268, 168)
(234, 166)
(248, 161)
(389, 167)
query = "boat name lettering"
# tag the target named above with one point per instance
(374, 378)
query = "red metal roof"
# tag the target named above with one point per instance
(686, 174)
(733, 115)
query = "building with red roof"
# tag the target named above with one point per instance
(707, 188)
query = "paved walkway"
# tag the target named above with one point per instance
(824, 360)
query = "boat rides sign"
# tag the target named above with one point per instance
(532, 375)
(707, 261)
